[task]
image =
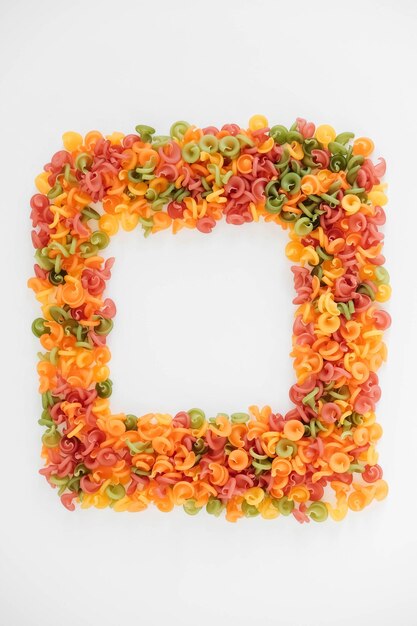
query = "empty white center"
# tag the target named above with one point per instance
(202, 320)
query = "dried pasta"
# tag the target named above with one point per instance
(319, 459)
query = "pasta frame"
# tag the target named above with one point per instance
(318, 459)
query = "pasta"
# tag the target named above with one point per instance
(317, 460)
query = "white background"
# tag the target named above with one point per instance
(211, 315)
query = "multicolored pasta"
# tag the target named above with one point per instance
(317, 460)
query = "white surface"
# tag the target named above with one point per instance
(109, 66)
(212, 317)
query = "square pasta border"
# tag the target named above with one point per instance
(327, 193)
